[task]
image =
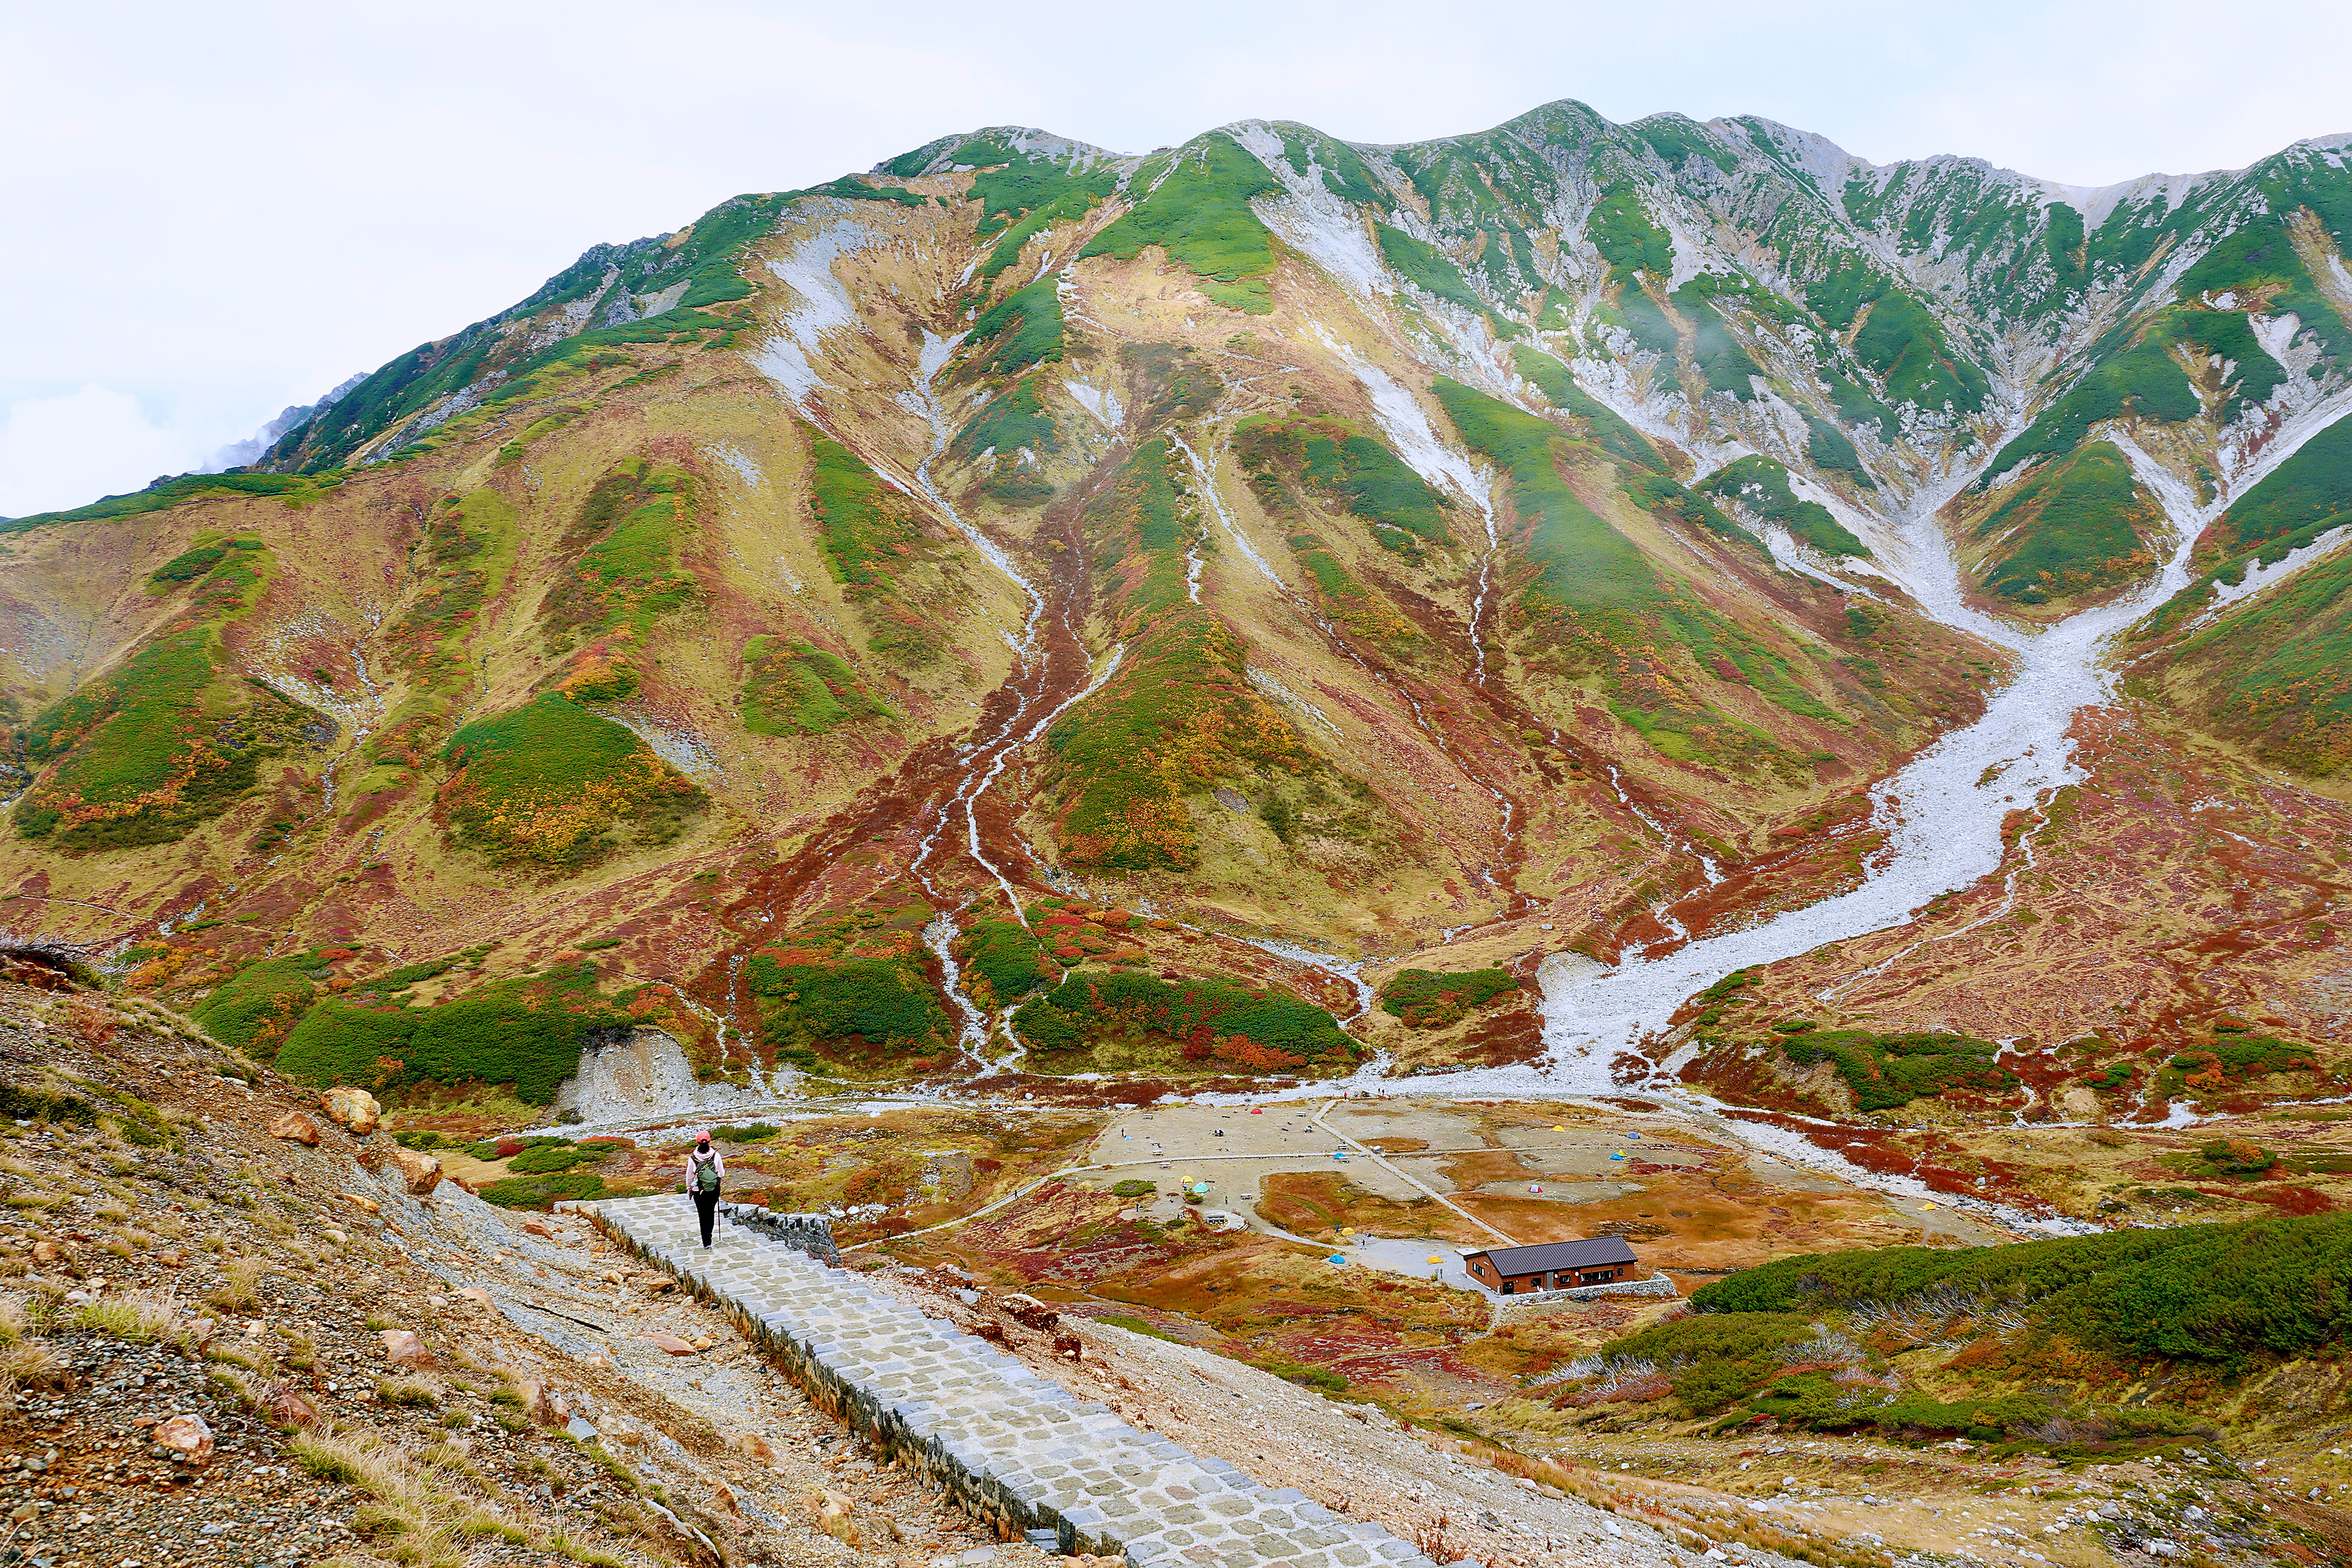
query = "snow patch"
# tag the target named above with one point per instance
(788, 358)
(673, 743)
(1101, 402)
(741, 462)
(2262, 574)
(1400, 417)
(1310, 219)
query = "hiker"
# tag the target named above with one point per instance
(704, 1171)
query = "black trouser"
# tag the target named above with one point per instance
(706, 1206)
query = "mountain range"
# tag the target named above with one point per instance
(1268, 606)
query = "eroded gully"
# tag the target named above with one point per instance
(962, 845)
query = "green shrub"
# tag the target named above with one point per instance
(1206, 1019)
(1025, 328)
(1653, 333)
(165, 494)
(1432, 270)
(1663, 496)
(793, 688)
(1013, 419)
(2261, 257)
(169, 738)
(252, 1010)
(1348, 468)
(2219, 1293)
(627, 573)
(1133, 1188)
(871, 533)
(542, 1192)
(409, 974)
(1900, 340)
(527, 1031)
(2075, 526)
(1427, 999)
(1712, 1361)
(1199, 213)
(1596, 422)
(1583, 562)
(552, 785)
(1621, 229)
(1179, 716)
(550, 1158)
(1596, 595)
(2236, 1157)
(1720, 357)
(19, 1102)
(2303, 498)
(878, 1001)
(1006, 956)
(1021, 195)
(1761, 485)
(1832, 450)
(2268, 671)
(1309, 1376)
(2141, 379)
(188, 565)
(1887, 1070)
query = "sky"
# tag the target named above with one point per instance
(216, 211)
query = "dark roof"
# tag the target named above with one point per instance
(1596, 1253)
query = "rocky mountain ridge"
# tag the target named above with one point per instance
(1237, 579)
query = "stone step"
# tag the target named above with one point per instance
(1015, 1448)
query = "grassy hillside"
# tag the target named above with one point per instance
(2032, 1343)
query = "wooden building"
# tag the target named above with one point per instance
(1552, 1266)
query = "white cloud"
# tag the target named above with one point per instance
(64, 450)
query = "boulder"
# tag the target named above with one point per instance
(538, 1227)
(420, 1173)
(478, 1297)
(1030, 1312)
(365, 1205)
(543, 1406)
(186, 1439)
(295, 1128)
(403, 1348)
(354, 1110)
(669, 1343)
(756, 1448)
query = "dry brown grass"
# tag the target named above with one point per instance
(239, 1289)
(141, 1317)
(29, 1363)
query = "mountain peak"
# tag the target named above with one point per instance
(990, 146)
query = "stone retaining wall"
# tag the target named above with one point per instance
(1014, 1450)
(809, 1233)
(1655, 1285)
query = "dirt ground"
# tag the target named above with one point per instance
(161, 1254)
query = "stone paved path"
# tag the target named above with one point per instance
(1015, 1448)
